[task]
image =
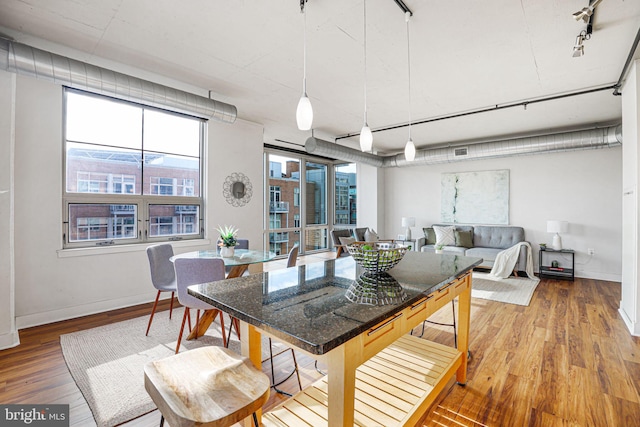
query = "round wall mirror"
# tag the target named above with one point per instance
(237, 189)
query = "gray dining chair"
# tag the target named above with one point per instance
(291, 262)
(193, 271)
(243, 244)
(162, 275)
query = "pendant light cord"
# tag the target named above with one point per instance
(365, 60)
(304, 51)
(407, 16)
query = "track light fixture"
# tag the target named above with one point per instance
(585, 13)
(578, 48)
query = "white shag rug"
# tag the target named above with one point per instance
(512, 290)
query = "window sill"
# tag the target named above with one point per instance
(118, 249)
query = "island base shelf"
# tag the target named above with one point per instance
(393, 388)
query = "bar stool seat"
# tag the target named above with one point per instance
(207, 386)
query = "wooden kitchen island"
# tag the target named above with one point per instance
(377, 373)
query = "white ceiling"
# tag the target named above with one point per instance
(465, 55)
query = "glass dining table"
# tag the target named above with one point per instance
(239, 263)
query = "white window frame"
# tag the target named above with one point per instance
(141, 202)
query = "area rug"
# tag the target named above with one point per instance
(512, 290)
(107, 362)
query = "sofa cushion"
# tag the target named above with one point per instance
(430, 235)
(501, 237)
(487, 254)
(445, 235)
(464, 238)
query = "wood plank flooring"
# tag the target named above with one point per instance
(566, 360)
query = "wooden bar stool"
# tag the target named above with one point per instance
(207, 386)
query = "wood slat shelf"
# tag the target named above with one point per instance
(393, 388)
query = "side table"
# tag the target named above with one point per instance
(547, 268)
(411, 243)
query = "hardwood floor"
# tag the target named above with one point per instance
(567, 360)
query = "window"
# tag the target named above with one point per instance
(345, 194)
(133, 173)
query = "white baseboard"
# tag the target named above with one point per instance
(634, 328)
(599, 276)
(66, 313)
(9, 340)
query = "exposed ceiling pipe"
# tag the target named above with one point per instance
(29, 61)
(332, 150)
(576, 140)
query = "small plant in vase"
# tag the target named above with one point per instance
(439, 248)
(228, 240)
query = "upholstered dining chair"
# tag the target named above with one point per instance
(243, 244)
(163, 275)
(192, 271)
(292, 260)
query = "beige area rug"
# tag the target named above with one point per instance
(512, 290)
(107, 362)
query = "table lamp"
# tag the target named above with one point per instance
(554, 226)
(408, 222)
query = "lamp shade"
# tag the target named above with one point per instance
(366, 138)
(410, 151)
(554, 226)
(408, 221)
(304, 113)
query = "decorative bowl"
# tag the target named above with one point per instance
(377, 257)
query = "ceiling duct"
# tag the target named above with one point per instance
(340, 152)
(577, 140)
(29, 61)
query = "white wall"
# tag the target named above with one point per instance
(52, 284)
(581, 187)
(630, 298)
(370, 203)
(8, 332)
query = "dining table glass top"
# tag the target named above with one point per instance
(240, 257)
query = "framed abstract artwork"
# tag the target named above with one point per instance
(475, 197)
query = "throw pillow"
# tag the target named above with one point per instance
(445, 235)
(430, 235)
(346, 241)
(370, 236)
(464, 238)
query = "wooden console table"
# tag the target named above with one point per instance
(376, 372)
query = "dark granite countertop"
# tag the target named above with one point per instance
(308, 306)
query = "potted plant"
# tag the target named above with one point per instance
(439, 248)
(227, 241)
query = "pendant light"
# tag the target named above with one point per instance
(366, 137)
(409, 148)
(304, 113)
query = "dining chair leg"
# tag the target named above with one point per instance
(171, 306)
(153, 310)
(184, 318)
(225, 342)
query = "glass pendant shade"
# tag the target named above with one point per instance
(366, 138)
(304, 113)
(410, 151)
